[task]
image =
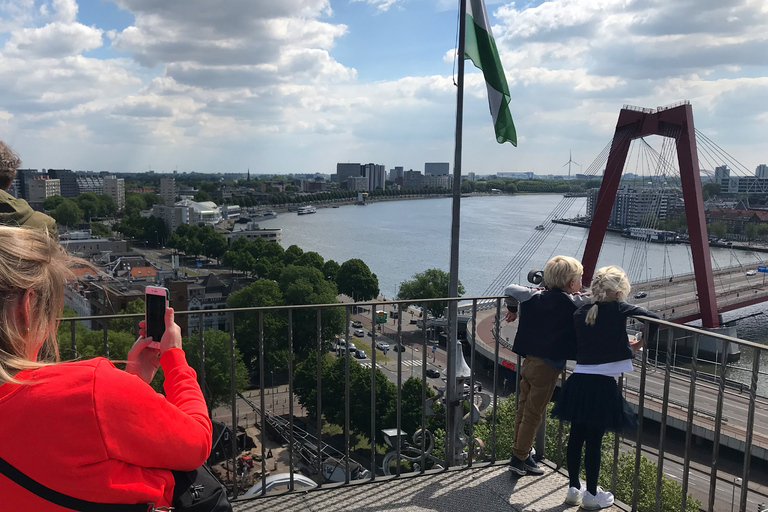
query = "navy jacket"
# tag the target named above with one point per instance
(546, 322)
(607, 340)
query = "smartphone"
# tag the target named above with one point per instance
(156, 302)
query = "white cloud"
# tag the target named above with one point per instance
(381, 5)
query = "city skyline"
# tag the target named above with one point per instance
(299, 85)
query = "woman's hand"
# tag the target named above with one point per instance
(636, 345)
(172, 336)
(142, 360)
(511, 317)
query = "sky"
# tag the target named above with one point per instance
(295, 86)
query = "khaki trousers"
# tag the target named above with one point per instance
(537, 383)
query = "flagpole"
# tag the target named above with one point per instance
(453, 423)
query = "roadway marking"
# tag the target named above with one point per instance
(367, 364)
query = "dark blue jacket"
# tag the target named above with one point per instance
(546, 325)
(607, 340)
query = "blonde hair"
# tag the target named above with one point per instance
(610, 284)
(31, 261)
(560, 271)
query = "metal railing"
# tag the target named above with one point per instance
(703, 417)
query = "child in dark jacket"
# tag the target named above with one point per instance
(546, 338)
(590, 398)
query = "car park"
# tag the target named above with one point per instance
(641, 295)
(359, 333)
(432, 373)
(360, 354)
(751, 272)
(357, 324)
(382, 345)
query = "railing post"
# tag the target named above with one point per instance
(689, 422)
(201, 350)
(373, 388)
(399, 402)
(106, 341)
(319, 396)
(718, 423)
(750, 431)
(497, 335)
(290, 399)
(263, 405)
(73, 341)
(233, 398)
(422, 467)
(640, 414)
(471, 450)
(664, 409)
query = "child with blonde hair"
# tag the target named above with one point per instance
(590, 398)
(546, 338)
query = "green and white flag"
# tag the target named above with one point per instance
(480, 48)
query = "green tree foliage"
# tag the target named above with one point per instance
(195, 240)
(710, 190)
(52, 202)
(333, 394)
(202, 195)
(331, 270)
(412, 406)
(430, 284)
(217, 365)
(718, 229)
(99, 229)
(356, 280)
(67, 213)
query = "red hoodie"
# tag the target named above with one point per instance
(91, 431)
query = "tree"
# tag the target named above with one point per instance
(356, 280)
(430, 284)
(717, 229)
(331, 270)
(217, 365)
(128, 324)
(52, 202)
(202, 195)
(67, 213)
(90, 204)
(99, 229)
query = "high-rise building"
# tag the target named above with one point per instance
(90, 183)
(25, 176)
(377, 176)
(436, 168)
(761, 171)
(168, 191)
(114, 187)
(40, 190)
(636, 206)
(344, 171)
(395, 173)
(68, 181)
(471, 176)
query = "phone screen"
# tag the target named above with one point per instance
(155, 316)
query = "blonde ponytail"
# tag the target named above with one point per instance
(591, 315)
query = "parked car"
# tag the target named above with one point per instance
(751, 272)
(360, 354)
(399, 348)
(359, 333)
(357, 324)
(413, 321)
(382, 345)
(370, 334)
(394, 314)
(432, 373)
(344, 345)
(641, 295)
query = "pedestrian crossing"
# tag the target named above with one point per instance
(367, 364)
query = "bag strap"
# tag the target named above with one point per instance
(63, 500)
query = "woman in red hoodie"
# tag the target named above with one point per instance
(85, 428)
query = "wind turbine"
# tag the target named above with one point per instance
(569, 162)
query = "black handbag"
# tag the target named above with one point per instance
(195, 491)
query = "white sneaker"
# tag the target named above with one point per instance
(597, 501)
(574, 495)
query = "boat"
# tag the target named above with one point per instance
(304, 210)
(540, 227)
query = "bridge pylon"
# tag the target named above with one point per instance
(676, 122)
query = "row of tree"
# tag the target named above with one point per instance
(70, 212)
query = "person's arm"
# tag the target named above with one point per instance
(515, 294)
(631, 310)
(579, 299)
(142, 427)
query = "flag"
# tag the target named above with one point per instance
(480, 48)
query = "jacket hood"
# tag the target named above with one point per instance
(13, 210)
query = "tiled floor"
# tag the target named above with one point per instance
(485, 490)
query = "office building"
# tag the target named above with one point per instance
(395, 173)
(436, 168)
(67, 180)
(168, 191)
(40, 190)
(757, 184)
(24, 177)
(635, 206)
(347, 170)
(90, 183)
(376, 174)
(114, 187)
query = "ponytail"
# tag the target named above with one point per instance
(591, 315)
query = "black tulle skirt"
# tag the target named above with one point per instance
(594, 401)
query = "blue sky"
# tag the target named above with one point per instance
(299, 85)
